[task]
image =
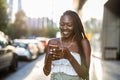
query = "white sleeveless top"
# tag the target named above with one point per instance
(64, 66)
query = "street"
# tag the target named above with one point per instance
(99, 70)
(4, 73)
(32, 71)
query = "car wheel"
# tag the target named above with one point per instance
(14, 63)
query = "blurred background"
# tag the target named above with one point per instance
(38, 20)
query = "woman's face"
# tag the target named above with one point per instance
(66, 26)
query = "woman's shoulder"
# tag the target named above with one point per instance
(86, 44)
(84, 41)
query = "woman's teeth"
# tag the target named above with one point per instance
(65, 32)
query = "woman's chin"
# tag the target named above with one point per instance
(65, 36)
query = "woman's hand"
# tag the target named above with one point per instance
(56, 54)
(66, 53)
(60, 53)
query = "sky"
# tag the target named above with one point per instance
(45, 8)
(39, 8)
(93, 9)
(54, 8)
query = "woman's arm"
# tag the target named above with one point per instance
(47, 62)
(87, 51)
(51, 55)
(77, 67)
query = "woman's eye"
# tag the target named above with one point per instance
(61, 24)
(69, 24)
(66, 25)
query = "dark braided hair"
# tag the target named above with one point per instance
(78, 30)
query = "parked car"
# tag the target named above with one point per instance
(8, 56)
(26, 49)
(39, 45)
(44, 41)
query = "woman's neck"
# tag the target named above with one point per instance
(67, 42)
(68, 39)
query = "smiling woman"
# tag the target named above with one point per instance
(69, 56)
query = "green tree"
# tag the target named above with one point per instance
(20, 25)
(49, 31)
(3, 16)
(10, 30)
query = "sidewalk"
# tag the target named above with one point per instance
(101, 69)
(33, 71)
(37, 72)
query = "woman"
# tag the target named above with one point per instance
(68, 57)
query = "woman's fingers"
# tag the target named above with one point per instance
(56, 54)
(66, 53)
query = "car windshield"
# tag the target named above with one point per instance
(18, 44)
(2, 44)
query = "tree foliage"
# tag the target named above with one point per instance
(20, 25)
(3, 16)
(48, 31)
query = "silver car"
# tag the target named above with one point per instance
(8, 57)
(26, 49)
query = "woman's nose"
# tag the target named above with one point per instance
(65, 27)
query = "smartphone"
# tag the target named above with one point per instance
(53, 47)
